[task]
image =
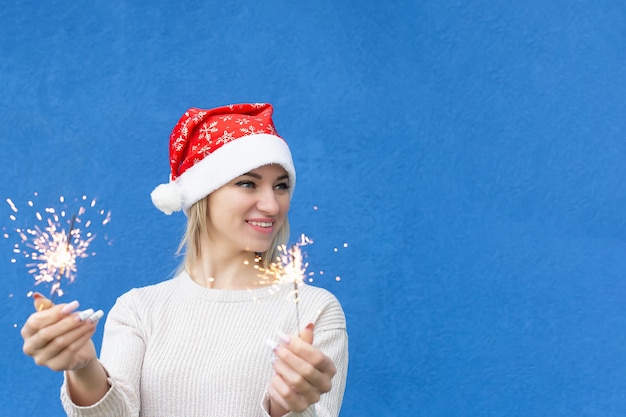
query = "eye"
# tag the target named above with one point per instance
(245, 184)
(282, 186)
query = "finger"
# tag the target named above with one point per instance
(47, 317)
(61, 342)
(306, 334)
(59, 353)
(310, 354)
(41, 303)
(304, 381)
(75, 356)
(37, 336)
(306, 362)
(281, 392)
(274, 393)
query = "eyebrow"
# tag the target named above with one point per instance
(258, 177)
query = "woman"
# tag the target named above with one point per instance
(196, 345)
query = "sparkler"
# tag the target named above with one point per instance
(291, 269)
(52, 252)
(65, 256)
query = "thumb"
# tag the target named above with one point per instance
(307, 333)
(41, 303)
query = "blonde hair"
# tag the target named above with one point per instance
(197, 227)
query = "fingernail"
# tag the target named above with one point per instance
(95, 317)
(310, 326)
(69, 307)
(283, 337)
(84, 315)
(273, 359)
(271, 344)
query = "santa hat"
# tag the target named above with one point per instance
(209, 148)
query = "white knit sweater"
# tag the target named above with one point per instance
(179, 349)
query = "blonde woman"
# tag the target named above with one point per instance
(197, 344)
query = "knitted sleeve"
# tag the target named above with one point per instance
(122, 354)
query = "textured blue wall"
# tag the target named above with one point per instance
(471, 154)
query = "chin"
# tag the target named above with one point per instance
(259, 243)
(258, 247)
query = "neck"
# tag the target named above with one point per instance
(228, 271)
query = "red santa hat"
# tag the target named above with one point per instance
(209, 148)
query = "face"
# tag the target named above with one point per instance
(246, 213)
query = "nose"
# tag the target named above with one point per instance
(267, 202)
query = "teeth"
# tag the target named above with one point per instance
(261, 224)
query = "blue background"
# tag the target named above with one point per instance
(472, 155)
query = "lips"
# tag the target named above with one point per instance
(262, 225)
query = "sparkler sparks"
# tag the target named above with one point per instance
(291, 269)
(53, 246)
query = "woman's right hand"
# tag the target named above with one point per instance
(55, 336)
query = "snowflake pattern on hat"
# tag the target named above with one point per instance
(201, 132)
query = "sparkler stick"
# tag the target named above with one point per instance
(296, 293)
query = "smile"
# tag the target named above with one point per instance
(260, 224)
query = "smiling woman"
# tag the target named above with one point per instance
(245, 215)
(196, 344)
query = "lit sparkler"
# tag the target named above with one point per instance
(51, 250)
(291, 269)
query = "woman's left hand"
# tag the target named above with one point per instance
(302, 373)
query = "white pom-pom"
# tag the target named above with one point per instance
(167, 198)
